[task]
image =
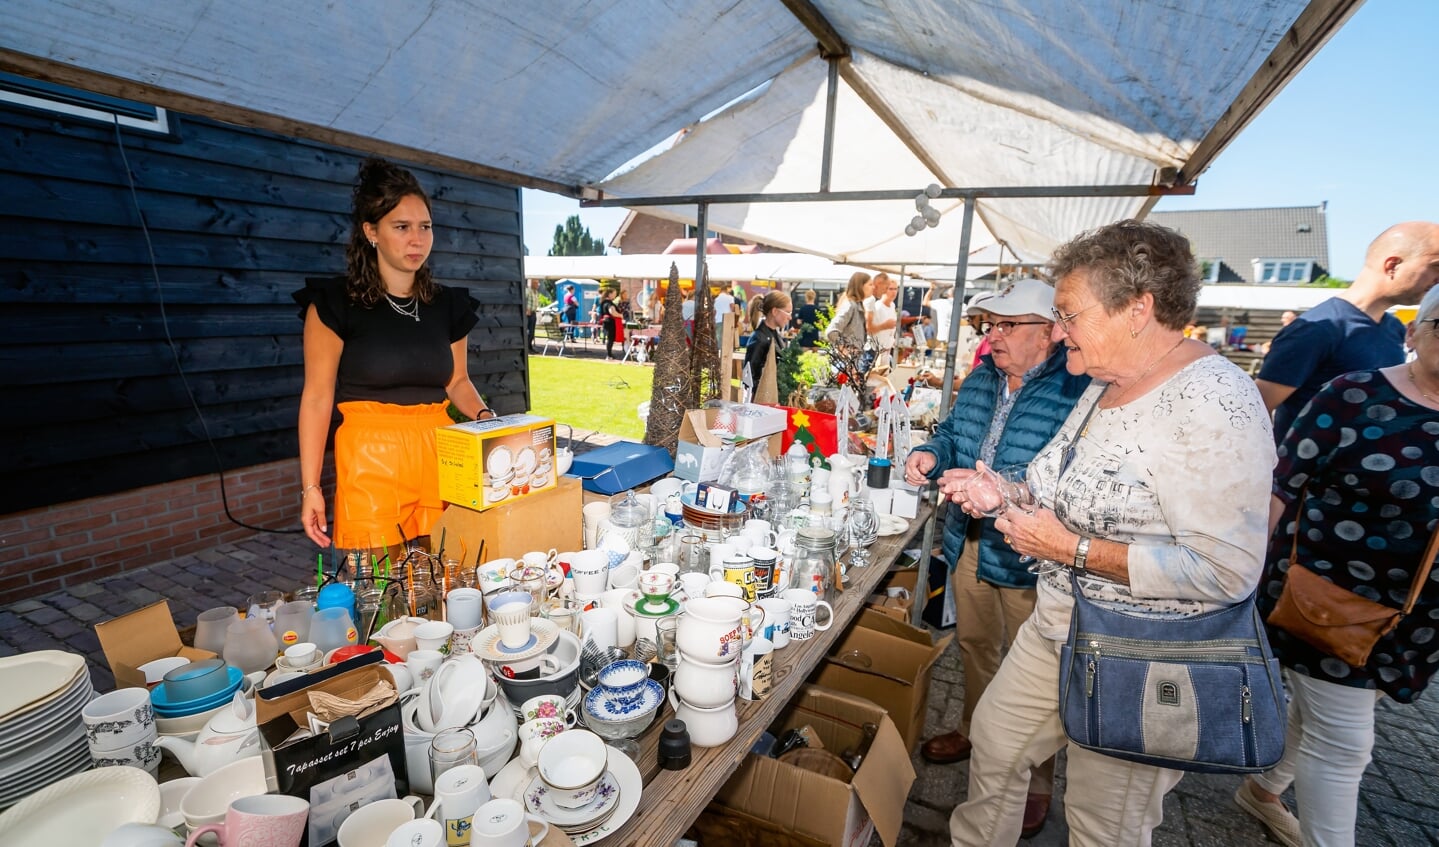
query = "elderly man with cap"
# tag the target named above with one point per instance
(1008, 408)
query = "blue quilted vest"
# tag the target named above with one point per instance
(1043, 404)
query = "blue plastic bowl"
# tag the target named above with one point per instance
(168, 708)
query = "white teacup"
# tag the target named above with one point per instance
(434, 635)
(694, 583)
(548, 706)
(804, 606)
(534, 734)
(624, 622)
(513, 619)
(502, 822)
(666, 568)
(571, 764)
(761, 531)
(624, 576)
(420, 833)
(494, 575)
(302, 655)
(720, 588)
(601, 627)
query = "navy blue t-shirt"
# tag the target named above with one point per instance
(1336, 337)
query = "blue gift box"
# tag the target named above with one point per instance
(620, 467)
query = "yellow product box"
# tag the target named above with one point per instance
(486, 463)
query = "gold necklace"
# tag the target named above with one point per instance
(1125, 391)
(1426, 395)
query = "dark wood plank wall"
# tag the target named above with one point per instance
(237, 218)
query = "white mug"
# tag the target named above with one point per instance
(434, 635)
(761, 531)
(776, 621)
(503, 823)
(420, 833)
(494, 575)
(459, 792)
(590, 571)
(601, 626)
(804, 606)
(624, 576)
(464, 608)
(591, 516)
(371, 824)
(423, 664)
(624, 622)
(694, 583)
(533, 735)
(756, 669)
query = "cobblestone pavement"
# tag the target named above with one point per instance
(1399, 805)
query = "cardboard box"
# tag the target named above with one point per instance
(901, 657)
(485, 463)
(820, 807)
(144, 635)
(621, 466)
(754, 421)
(904, 499)
(899, 608)
(701, 452)
(549, 519)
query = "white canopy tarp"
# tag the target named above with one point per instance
(720, 267)
(561, 94)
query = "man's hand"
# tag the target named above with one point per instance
(918, 466)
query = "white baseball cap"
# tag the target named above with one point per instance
(1022, 297)
(975, 301)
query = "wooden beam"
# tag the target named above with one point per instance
(831, 45)
(62, 74)
(1311, 30)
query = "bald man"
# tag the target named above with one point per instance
(1352, 331)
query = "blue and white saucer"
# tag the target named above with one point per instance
(603, 705)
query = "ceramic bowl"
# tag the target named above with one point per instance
(207, 801)
(566, 650)
(172, 793)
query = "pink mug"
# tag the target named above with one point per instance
(265, 820)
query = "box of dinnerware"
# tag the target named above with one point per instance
(817, 805)
(486, 463)
(142, 636)
(335, 738)
(888, 662)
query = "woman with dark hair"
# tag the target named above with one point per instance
(612, 320)
(388, 344)
(773, 311)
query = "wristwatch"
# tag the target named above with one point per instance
(1081, 556)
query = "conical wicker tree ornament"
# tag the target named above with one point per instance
(672, 393)
(705, 373)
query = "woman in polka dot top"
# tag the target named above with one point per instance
(1358, 482)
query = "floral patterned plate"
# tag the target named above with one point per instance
(540, 800)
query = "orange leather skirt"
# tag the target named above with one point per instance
(387, 479)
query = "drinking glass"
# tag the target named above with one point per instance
(531, 580)
(307, 593)
(563, 613)
(250, 645)
(262, 605)
(691, 557)
(985, 492)
(332, 628)
(451, 748)
(667, 648)
(211, 626)
(292, 622)
(863, 526)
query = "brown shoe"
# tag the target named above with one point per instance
(946, 749)
(1036, 812)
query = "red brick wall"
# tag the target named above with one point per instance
(69, 543)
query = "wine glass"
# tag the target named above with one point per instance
(985, 491)
(1022, 492)
(863, 526)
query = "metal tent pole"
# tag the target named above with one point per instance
(956, 310)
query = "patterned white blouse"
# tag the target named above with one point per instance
(1182, 475)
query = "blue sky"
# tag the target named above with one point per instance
(1356, 128)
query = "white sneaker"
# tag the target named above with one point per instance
(1282, 825)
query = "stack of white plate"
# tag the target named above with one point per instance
(42, 739)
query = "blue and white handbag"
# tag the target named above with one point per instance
(1200, 693)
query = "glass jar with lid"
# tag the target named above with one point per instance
(629, 519)
(812, 566)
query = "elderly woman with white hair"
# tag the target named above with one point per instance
(1355, 501)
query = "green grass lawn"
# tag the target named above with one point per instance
(590, 394)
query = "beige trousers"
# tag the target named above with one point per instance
(987, 619)
(1108, 802)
